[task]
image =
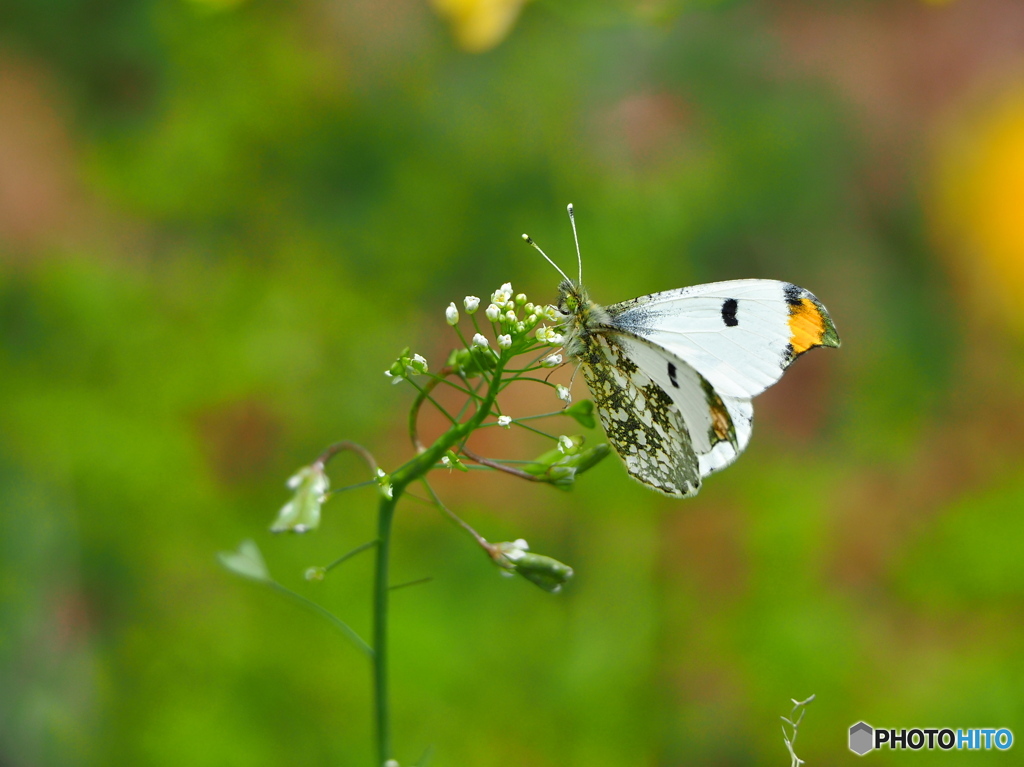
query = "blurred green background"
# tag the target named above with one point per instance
(220, 220)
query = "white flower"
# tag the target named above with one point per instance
(472, 303)
(565, 444)
(492, 312)
(552, 313)
(417, 365)
(502, 294)
(563, 393)
(446, 462)
(394, 379)
(480, 342)
(505, 341)
(551, 361)
(504, 421)
(452, 314)
(510, 316)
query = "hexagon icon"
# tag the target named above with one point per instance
(862, 738)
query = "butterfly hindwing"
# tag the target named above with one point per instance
(719, 426)
(725, 452)
(740, 335)
(644, 425)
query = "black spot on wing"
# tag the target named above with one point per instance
(788, 355)
(729, 307)
(794, 295)
(672, 375)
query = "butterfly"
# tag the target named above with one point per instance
(672, 374)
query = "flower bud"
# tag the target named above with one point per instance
(315, 573)
(472, 303)
(560, 469)
(452, 314)
(302, 512)
(548, 573)
(504, 421)
(551, 361)
(452, 461)
(480, 341)
(505, 341)
(492, 312)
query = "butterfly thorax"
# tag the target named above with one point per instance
(582, 321)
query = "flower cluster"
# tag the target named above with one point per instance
(514, 316)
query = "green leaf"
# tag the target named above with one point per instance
(246, 562)
(582, 412)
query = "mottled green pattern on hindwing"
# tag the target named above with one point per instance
(722, 428)
(643, 424)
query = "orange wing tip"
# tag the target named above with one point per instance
(809, 323)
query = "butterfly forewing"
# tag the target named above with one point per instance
(739, 335)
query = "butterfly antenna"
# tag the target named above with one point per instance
(579, 258)
(529, 241)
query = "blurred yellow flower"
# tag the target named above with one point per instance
(979, 203)
(479, 25)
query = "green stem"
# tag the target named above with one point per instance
(401, 479)
(380, 628)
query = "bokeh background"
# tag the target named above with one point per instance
(220, 221)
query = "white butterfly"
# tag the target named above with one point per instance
(673, 373)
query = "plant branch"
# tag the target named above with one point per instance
(333, 619)
(499, 466)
